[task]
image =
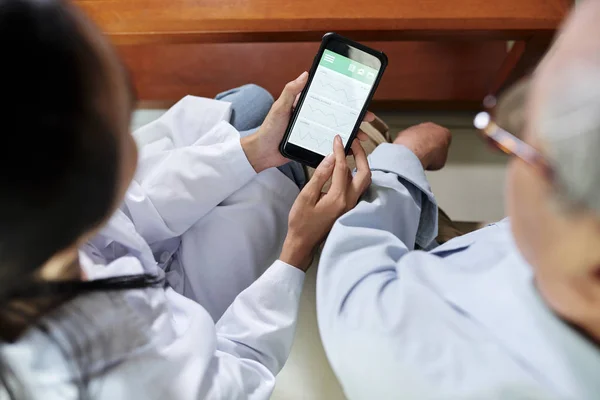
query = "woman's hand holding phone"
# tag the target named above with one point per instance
(314, 213)
(262, 148)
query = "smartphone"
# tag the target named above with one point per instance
(341, 84)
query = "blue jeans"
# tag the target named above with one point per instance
(250, 105)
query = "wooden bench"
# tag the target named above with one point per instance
(443, 53)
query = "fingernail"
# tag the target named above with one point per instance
(302, 76)
(339, 139)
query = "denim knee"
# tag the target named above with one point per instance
(250, 105)
(258, 93)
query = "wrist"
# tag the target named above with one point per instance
(254, 154)
(296, 254)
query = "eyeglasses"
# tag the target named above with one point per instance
(510, 106)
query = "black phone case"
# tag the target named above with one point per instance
(326, 38)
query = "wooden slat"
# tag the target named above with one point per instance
(513, 58)
(443, 73)
(534, 50)
(183, 21)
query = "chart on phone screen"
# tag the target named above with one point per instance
(331, 107)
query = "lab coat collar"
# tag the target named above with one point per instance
(121, 230)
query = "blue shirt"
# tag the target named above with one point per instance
(463, 321)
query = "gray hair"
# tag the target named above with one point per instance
(569, 128)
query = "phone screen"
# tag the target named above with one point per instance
(333, 103)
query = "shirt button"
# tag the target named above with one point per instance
(164, 257)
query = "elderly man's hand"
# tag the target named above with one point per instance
(429, 142)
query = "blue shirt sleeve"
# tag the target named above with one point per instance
(360, 256)
(379, 325)
(390, 163)
(402, 323)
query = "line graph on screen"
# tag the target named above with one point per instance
(315, 139)
(350, 96)
(332, 106)
(327, 118)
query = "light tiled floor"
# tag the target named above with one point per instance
(307, 375)
(469, 188)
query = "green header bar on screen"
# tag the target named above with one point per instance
(346, 66)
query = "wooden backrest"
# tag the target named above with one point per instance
(160, 21)
(451, 74)
(446, 52)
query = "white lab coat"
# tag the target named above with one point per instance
(198, 205)
(195, 184)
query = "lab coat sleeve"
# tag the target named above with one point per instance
(179, 179)
(255, 335)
